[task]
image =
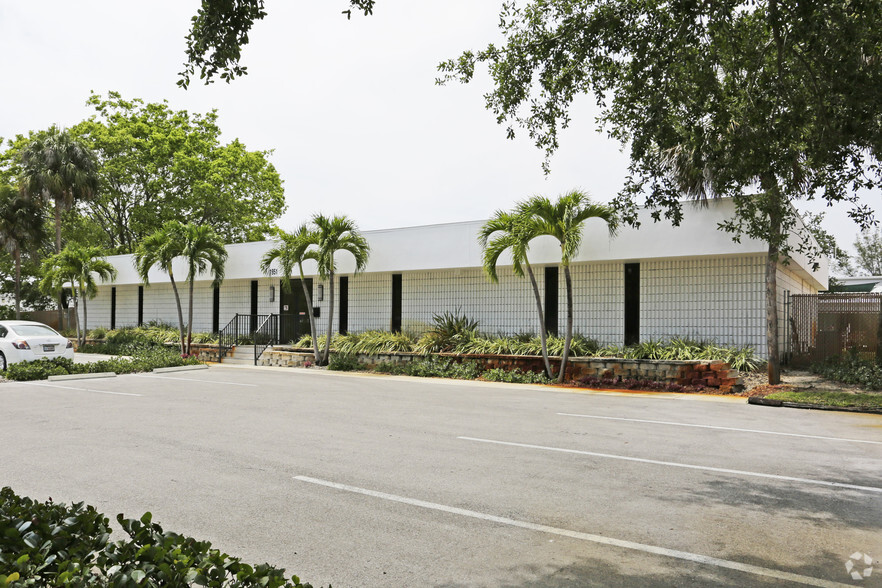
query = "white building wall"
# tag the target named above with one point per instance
(598, 301)
(715, 299)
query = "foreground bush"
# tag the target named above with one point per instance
(142, 360)
(850, 369)
(48, 544)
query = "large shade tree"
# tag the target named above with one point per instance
(329, 236)
(507, 231)
(77, 266)
(564, 220)
(156, 164)
(766, 102)
(21, 231)
(291, 250)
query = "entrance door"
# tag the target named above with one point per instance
(293, 309)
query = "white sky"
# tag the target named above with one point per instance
(350, 107)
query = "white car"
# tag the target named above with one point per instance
(29, 341)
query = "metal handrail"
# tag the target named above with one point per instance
(268, 329)
(240, 327)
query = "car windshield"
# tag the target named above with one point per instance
(40, 330)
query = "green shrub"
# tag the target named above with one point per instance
(142, 360)
(48, 544)
(98, 333)
(850, 369)
(449, 330)
(343, 362)
(515, 376)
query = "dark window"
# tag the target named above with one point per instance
(632, 303)
(551, 299)
(344, 305)
(3, 331)
(396, 303)
(253, 321)
(113, 308)
(215, 311)
(140, 305)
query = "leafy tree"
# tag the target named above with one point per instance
(868, 259)
(78, 266)
(202, 251)
(21, 230)
(220, 30)
(564, 220)
(506, 231)
(330, 235)
(57, 167)
(157, 164)
(292, 250)
(765, 102)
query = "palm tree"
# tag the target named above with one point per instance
(78, 266)
(21, 226)
(564, 220)
(507, 231)
(294, 249)
(203, 251)
(160, 249)
(329, 236)
(57, 167)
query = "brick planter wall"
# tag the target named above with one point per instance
(711, 374)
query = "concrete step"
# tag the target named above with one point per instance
(240, 355)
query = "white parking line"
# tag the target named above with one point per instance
(607, 418)
(80, 389)
(683, 555)
(681, 465)
(195, 380)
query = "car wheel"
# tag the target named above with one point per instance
(3, 365)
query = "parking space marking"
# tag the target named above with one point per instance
(680, 465)
(608, 418)
(80, 389)
(599, 539)
(195, 380)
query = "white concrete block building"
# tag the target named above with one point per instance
(652, 283)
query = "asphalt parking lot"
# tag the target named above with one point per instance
(376, 481)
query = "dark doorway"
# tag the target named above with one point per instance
(551, 299)
(253, 322)
(293, 309)
(632, 303)
(140, 305)
(396, 303)
(344, 305)
(113, 308)
(215, 310)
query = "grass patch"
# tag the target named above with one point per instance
(142, 360)
(837, 399)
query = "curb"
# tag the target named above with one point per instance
(783, 403)
(82, 376)
(180, 368)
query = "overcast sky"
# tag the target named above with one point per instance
(350, 108)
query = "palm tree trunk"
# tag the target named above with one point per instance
(327, 353)
(17, 256)
(772, 307)
(190, 318)
(85, 319)
(543, 335)
(58, 250)
(307, 295)
(174, 284)
(569, 335)
(76, 310)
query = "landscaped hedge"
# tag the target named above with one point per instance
(48, 544)
(143, 360)
(125, 340)
(850, 369)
